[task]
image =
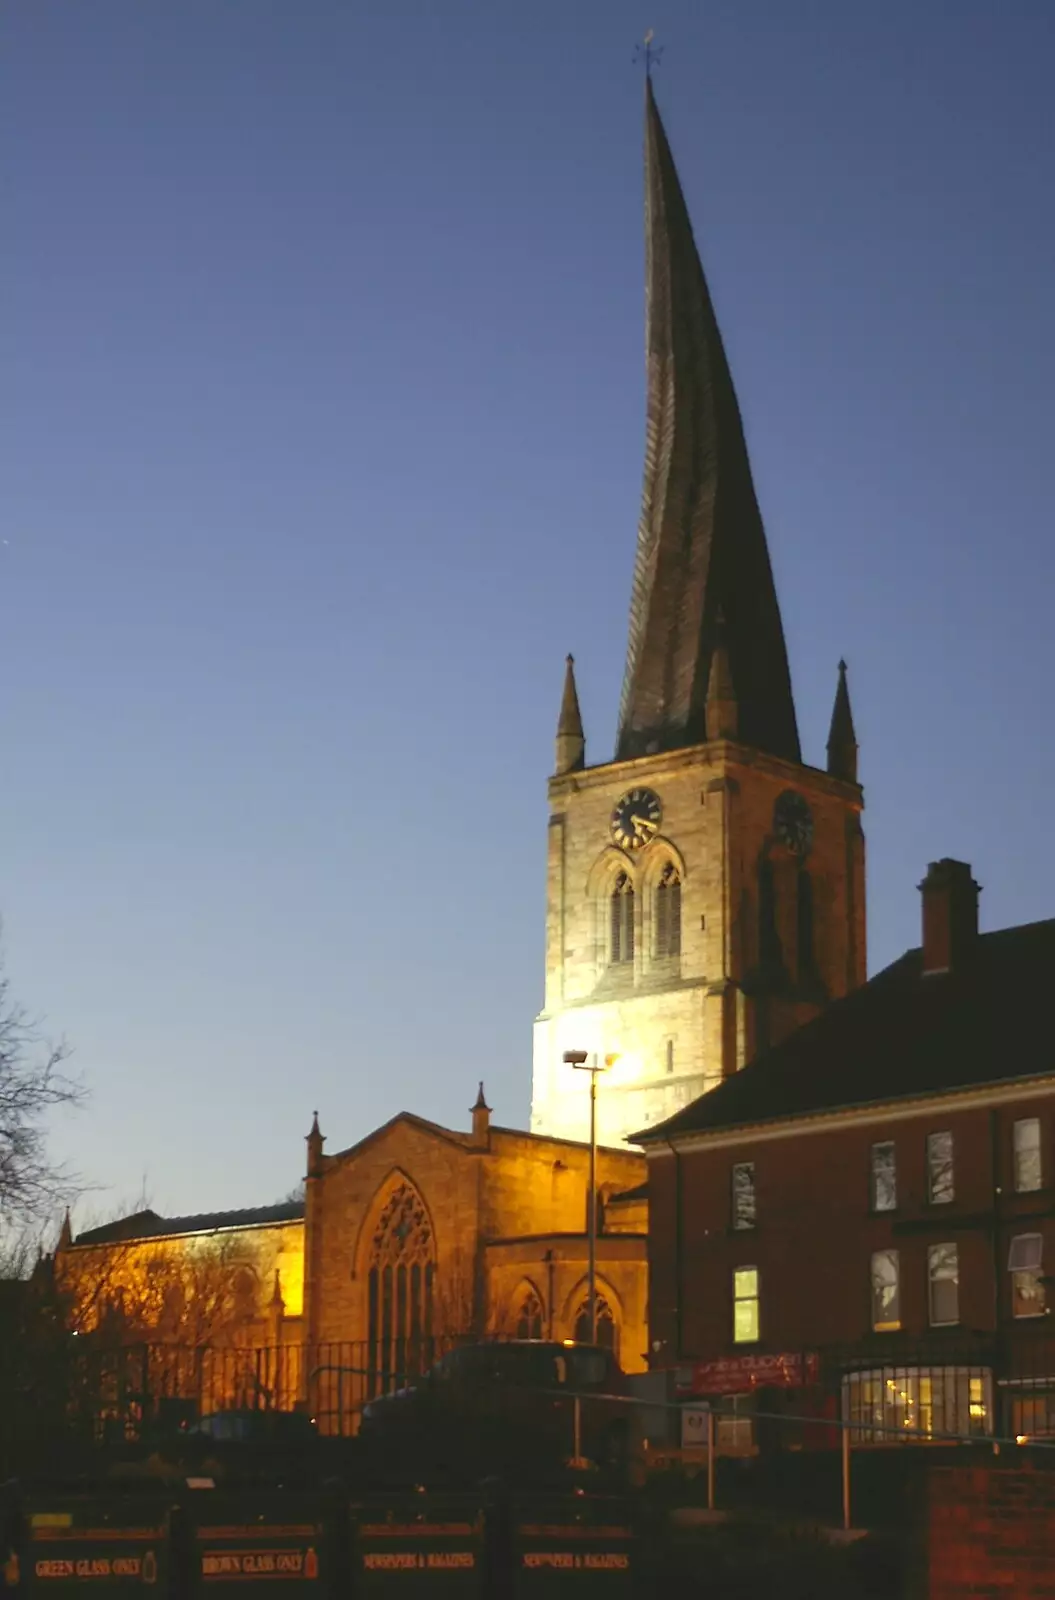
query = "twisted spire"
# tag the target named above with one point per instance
(701, 546)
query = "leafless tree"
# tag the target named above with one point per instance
(32, 1084)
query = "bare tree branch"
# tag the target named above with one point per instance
(32, 1085)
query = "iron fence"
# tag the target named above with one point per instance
(118, 1390)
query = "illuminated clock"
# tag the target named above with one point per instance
(793, 822)
(636, 818)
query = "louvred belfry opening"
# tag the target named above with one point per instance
(701, 549)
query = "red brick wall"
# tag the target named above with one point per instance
(816, 1232)
(991, 1533)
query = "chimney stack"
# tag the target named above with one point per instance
(950, 915)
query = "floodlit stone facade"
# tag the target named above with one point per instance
(767, 934)
(410, 1238)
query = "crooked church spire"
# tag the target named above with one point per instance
(701, 548)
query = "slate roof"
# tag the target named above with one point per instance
(701, 546)
(148, 1225)
(900, 1036)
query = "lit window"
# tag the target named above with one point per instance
(1027, 1155)
(940, 1185)
(745, 1305)
(889, 1402)
(943, 1273)
(1033, 1415)
(1024, 1261)
(668, 912)
(622, 912)
(884, 1176)
(744, 1194)
(886, 1297)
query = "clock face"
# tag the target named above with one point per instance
(793, 822)
(636, 818)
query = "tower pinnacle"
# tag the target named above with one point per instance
(842, 739)
(571, 741)
(701, 546)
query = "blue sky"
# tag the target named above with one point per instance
(321, 349)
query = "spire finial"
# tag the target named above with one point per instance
(842, 737)
(649, 53)
(571, 741)
(66, 1232)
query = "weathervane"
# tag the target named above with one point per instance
(646, 52)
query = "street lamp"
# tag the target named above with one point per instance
(585, 1063)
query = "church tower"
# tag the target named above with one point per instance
(706, 887)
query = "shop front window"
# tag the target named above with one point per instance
(888, 1404)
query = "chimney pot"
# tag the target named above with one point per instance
(950, 915)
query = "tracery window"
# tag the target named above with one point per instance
(400, 1289)
(529, 1317)
(622, 920)
(668, 912)
(606, 1329)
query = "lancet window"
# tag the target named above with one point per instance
(606, 1330)
(621, 944)
(667, 912)
(529, 1316)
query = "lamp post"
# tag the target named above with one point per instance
(585, 1063)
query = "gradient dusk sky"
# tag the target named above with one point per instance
(321, 345)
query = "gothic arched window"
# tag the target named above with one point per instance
(400, 1289)
(804, 919)
(770, 954)
(244, 1294)
(668, 912)
(606, 1333)
(622, 920)
(529, 1317)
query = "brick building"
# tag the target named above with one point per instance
(876, 1194)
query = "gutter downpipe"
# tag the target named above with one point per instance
(678, 1269)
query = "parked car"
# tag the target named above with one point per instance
(253, 1427)
(508, 1410)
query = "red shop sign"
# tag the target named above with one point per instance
(740, 1374)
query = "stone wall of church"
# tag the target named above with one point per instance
(534, 1186)
(553, 1273)
(189, 1288)
(517, 1187)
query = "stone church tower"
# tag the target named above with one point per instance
(706, 887)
